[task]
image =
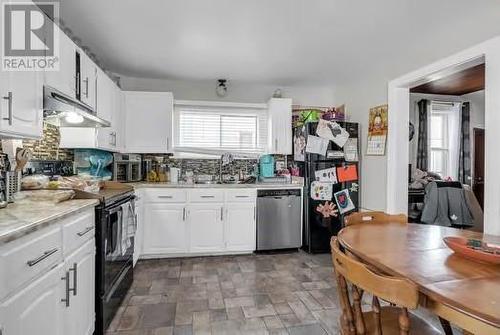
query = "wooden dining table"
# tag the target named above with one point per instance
(462, 291)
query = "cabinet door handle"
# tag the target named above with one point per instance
(66, 298)
(207, 196)
(168, 143)
(222, 213)
(184, 214)
(85, 231)
(9, 108)
(40, 258)
(276, 144)
(165, 197)
(86, 81)
(74, 269)
(242, 196)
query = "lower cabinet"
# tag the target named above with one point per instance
(37, 308)
(183, 222)
(79, 316)
(206, 227)
(60, 299)
(240, 230)
(165, 229)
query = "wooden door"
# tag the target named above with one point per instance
(478, 180)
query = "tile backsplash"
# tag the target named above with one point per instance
(209, 166)
(47, 148)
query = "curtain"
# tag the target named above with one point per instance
(422, 147)
(464, 163)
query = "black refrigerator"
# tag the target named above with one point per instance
(318, 230)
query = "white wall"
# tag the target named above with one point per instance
(359, 97)
(476, 100)
(237, 91)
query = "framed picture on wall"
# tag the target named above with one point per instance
(377, 131)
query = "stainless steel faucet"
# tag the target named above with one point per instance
(225, 159)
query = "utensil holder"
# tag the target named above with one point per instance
(12, 184)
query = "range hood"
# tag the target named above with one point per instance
(62, 110)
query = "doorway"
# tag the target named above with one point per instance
(446, 150)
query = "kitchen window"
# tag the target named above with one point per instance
(214, 128)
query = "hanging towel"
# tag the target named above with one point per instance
(129, 226)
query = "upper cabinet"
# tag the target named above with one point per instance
(148, 122)
(109, 104)
(280, 126)
(21, 98)
(65, 79)
(87, 81)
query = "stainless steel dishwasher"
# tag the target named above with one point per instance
(279, 219)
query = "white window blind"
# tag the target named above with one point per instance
(217, 129)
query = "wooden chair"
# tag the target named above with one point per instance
(386, 320)
(374, 217)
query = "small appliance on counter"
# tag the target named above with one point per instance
(266, 166)
(94, 163)
(127, 167)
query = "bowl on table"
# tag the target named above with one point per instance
(474, 249)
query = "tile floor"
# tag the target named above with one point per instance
(291, 293)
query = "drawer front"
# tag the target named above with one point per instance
(165, 195)
(77, 230)
(241, 195)
(206, 195)
(28, 257)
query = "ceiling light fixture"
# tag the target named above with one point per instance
(221, 89)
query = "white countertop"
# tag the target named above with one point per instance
(222, 186)
(23, 217)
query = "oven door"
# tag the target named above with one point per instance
(116, 252)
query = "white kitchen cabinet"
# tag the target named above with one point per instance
(37, 308)
(206, 227)
(109, 107)
(64, 79)
(165, 229)
(148, 122)
(21, 103)
(280, 126)
(88, 80)
(239, 226)
(79, 316)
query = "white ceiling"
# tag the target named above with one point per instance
(280, 42)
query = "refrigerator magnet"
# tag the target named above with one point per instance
(321, 190)
(344, 201)
(316, 145)
(328, 209)
(347, 173)
(326, 175)
(332, 131)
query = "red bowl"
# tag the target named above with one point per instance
(461, 247)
